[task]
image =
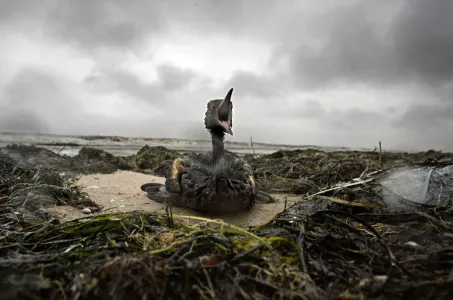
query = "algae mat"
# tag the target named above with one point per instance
(120, 192)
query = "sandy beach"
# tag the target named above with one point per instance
(121, 192)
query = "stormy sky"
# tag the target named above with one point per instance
(338, 73)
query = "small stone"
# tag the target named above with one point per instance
(86, 210)
(17, 227)
(412, 244)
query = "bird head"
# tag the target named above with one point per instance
(219, 114)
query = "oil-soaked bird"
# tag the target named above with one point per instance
(218, 181)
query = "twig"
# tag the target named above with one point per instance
(169, 213)
(362, 175)
(46, 225)
(380, 153)
(61, 149)
(208, 280)
(340, 187)
(253, 149)
(248, 252)
(237, 285)
(300, 243)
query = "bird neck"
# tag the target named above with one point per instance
(217, 136)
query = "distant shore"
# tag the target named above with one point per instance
(124, 146)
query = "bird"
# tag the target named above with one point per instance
(218, 181)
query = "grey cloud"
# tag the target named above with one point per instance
(35, 89)
(380, 44)
(102, 23)
(169, 79)
(308, 109)
(194, 130)
(428, 116)
(385, 42)
(415, 45)
(356, 127)
(423, 39)
(20, 10)
(354, 119)
(125, 83)
(174, 78)
(312, 109)
(257, 86)
(126, 24)
(390, 110)
(34, 98)
(12, 119)
(420, 127)
(349, 53)
(238, 19)
(423, 126)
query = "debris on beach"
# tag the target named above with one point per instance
(363, 229)
(309, 171)
(149, 160)
(27, 186)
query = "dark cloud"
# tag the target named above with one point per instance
(125, 25)
(116, 24)
(350, 51)
(20, 10)
(423, 40)
(385, 42)
(414, 45)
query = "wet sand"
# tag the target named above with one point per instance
(121, 192)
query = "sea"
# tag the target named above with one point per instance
(124, 146)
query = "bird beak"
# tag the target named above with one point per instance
(228, 96)
(226, 106)
(226, 101)
(226, 126)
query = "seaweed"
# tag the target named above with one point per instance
(311, 170)
(335, 243)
